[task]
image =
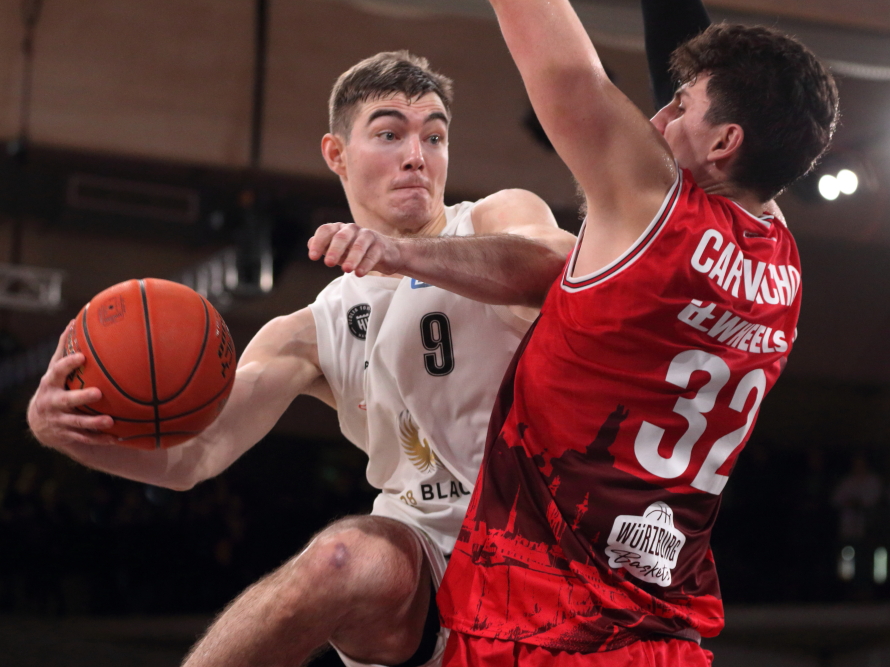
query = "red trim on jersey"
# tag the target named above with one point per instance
(766, 219)
(632, 254)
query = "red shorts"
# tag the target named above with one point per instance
(468, 651)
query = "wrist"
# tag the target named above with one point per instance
(403, 257)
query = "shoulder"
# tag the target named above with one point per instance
(332, 290)
(508, 209)
(334, 297)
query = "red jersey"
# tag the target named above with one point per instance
(615, 430)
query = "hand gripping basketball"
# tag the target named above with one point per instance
(161, 355)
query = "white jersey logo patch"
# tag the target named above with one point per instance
(646, 546)
(357, 320)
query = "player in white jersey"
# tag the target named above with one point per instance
(412, 369)
(412, 366)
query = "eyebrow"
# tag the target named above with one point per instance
(395, 113)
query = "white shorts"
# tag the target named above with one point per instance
(435, 558)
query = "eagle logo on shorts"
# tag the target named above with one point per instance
(419, 453)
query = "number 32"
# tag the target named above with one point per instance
(694, 410)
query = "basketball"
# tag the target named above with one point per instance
(161, 355)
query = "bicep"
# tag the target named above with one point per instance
(281, 361)
(278, 364)
(612, 149)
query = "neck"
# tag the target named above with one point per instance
(716, 183)
(431, 228)
(744, 198)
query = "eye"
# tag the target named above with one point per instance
(388, 135)
(435, 139)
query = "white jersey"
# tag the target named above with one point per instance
(415, 371)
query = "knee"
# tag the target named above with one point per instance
(363, 559)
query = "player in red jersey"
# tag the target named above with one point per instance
(629, 401)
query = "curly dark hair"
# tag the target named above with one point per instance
(784, 99)
(387, 73)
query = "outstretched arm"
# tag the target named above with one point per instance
(666, 25)
(279, 363)
(516, 254)
(621, 162)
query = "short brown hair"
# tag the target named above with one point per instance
(387, 73)
(783, 98)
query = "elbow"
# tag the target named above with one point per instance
(183, 475)
(176, 484)
(181, 485)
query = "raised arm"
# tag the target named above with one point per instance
(516, 254)
(620, 160)
(279, 363)
(666, 25)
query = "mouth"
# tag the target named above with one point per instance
(412, 191)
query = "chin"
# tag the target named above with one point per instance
(419, 205)
(412, 217)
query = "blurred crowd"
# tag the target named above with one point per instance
(805, 526)
(794, 527)
(82, 542)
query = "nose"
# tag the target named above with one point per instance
(414, 156)
(664, 116)
(659, 120)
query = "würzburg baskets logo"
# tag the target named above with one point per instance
(357, 319)
(646, 546)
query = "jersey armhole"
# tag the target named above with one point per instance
(325, 341)
(629, 256)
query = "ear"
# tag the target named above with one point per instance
(333, 150)
(727, 143)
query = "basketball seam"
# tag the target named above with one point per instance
(163, 433)
(98, 360)
(199, 359)
(151, 365)
(88, 410)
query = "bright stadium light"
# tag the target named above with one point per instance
(880, 565)
(846, 564)
(829, 187)
(847, 181)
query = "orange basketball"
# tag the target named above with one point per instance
(161, 355)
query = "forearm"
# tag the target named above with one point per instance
(501, 269)
(667, 24)
(206, 455)
(168, 468)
